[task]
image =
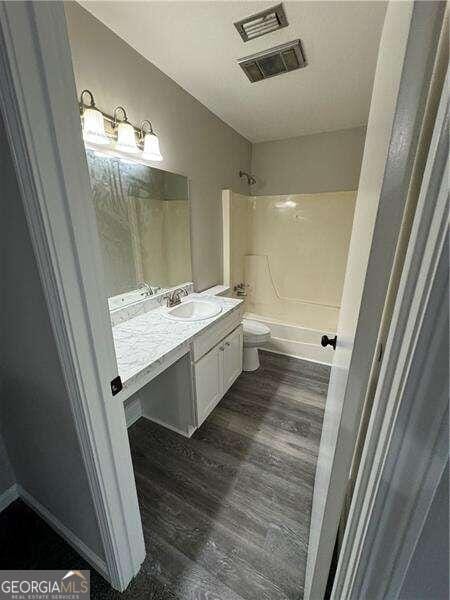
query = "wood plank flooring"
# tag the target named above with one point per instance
(226, 513)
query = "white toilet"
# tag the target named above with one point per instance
(255, 334)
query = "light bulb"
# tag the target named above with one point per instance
(94, 127)
(126, 139)
(151, 148)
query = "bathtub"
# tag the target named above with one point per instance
(294, 340)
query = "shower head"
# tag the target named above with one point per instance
(250, 179)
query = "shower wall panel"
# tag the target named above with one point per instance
(291, 251)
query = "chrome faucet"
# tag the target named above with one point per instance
(144, 286)
(174, 297)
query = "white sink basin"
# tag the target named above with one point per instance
(193, 310)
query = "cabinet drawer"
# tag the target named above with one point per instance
(207, 340)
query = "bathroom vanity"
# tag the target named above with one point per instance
(177, 362)
(175, 369)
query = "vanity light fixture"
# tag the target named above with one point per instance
(114, 135)
(93, 122)
(151, 143)
(126, 138)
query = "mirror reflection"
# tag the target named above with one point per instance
(143, 224)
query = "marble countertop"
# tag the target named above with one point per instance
(149, 337)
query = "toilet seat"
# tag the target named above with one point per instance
(254, 332)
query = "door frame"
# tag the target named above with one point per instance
(391, 451)
(38, 101)
(399, 129)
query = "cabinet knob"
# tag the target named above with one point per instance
(221, 348)
(227, 344)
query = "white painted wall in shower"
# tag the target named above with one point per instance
(291, 251)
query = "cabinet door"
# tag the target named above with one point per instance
(232, 357)
(209, 382)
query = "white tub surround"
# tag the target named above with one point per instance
(290, 253)
(207, 352)
(294, 340)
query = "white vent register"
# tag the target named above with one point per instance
(266, 21)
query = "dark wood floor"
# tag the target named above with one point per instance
(226, 513)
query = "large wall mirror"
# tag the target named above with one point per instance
(143, 224)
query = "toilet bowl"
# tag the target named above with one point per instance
(255, 334)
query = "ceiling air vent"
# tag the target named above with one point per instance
(263, 22)
(278, 60)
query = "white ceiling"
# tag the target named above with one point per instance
(196, 44)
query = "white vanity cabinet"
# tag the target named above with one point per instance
(216, 371)
(185, 385)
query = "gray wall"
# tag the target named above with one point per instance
(7, 478)
(324, 162)
(194, 142)
(428, 571)
(37, 422)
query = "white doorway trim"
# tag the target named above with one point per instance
(405, 64)
(406, 448)
(39, 107)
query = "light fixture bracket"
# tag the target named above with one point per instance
(144, 124)
(124, 118)
(83, 104)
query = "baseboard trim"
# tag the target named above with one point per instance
(91, 557)
(133, 411)
(8, 496)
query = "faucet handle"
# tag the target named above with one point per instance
(239, 289)
(174, 296)
(143, 285)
